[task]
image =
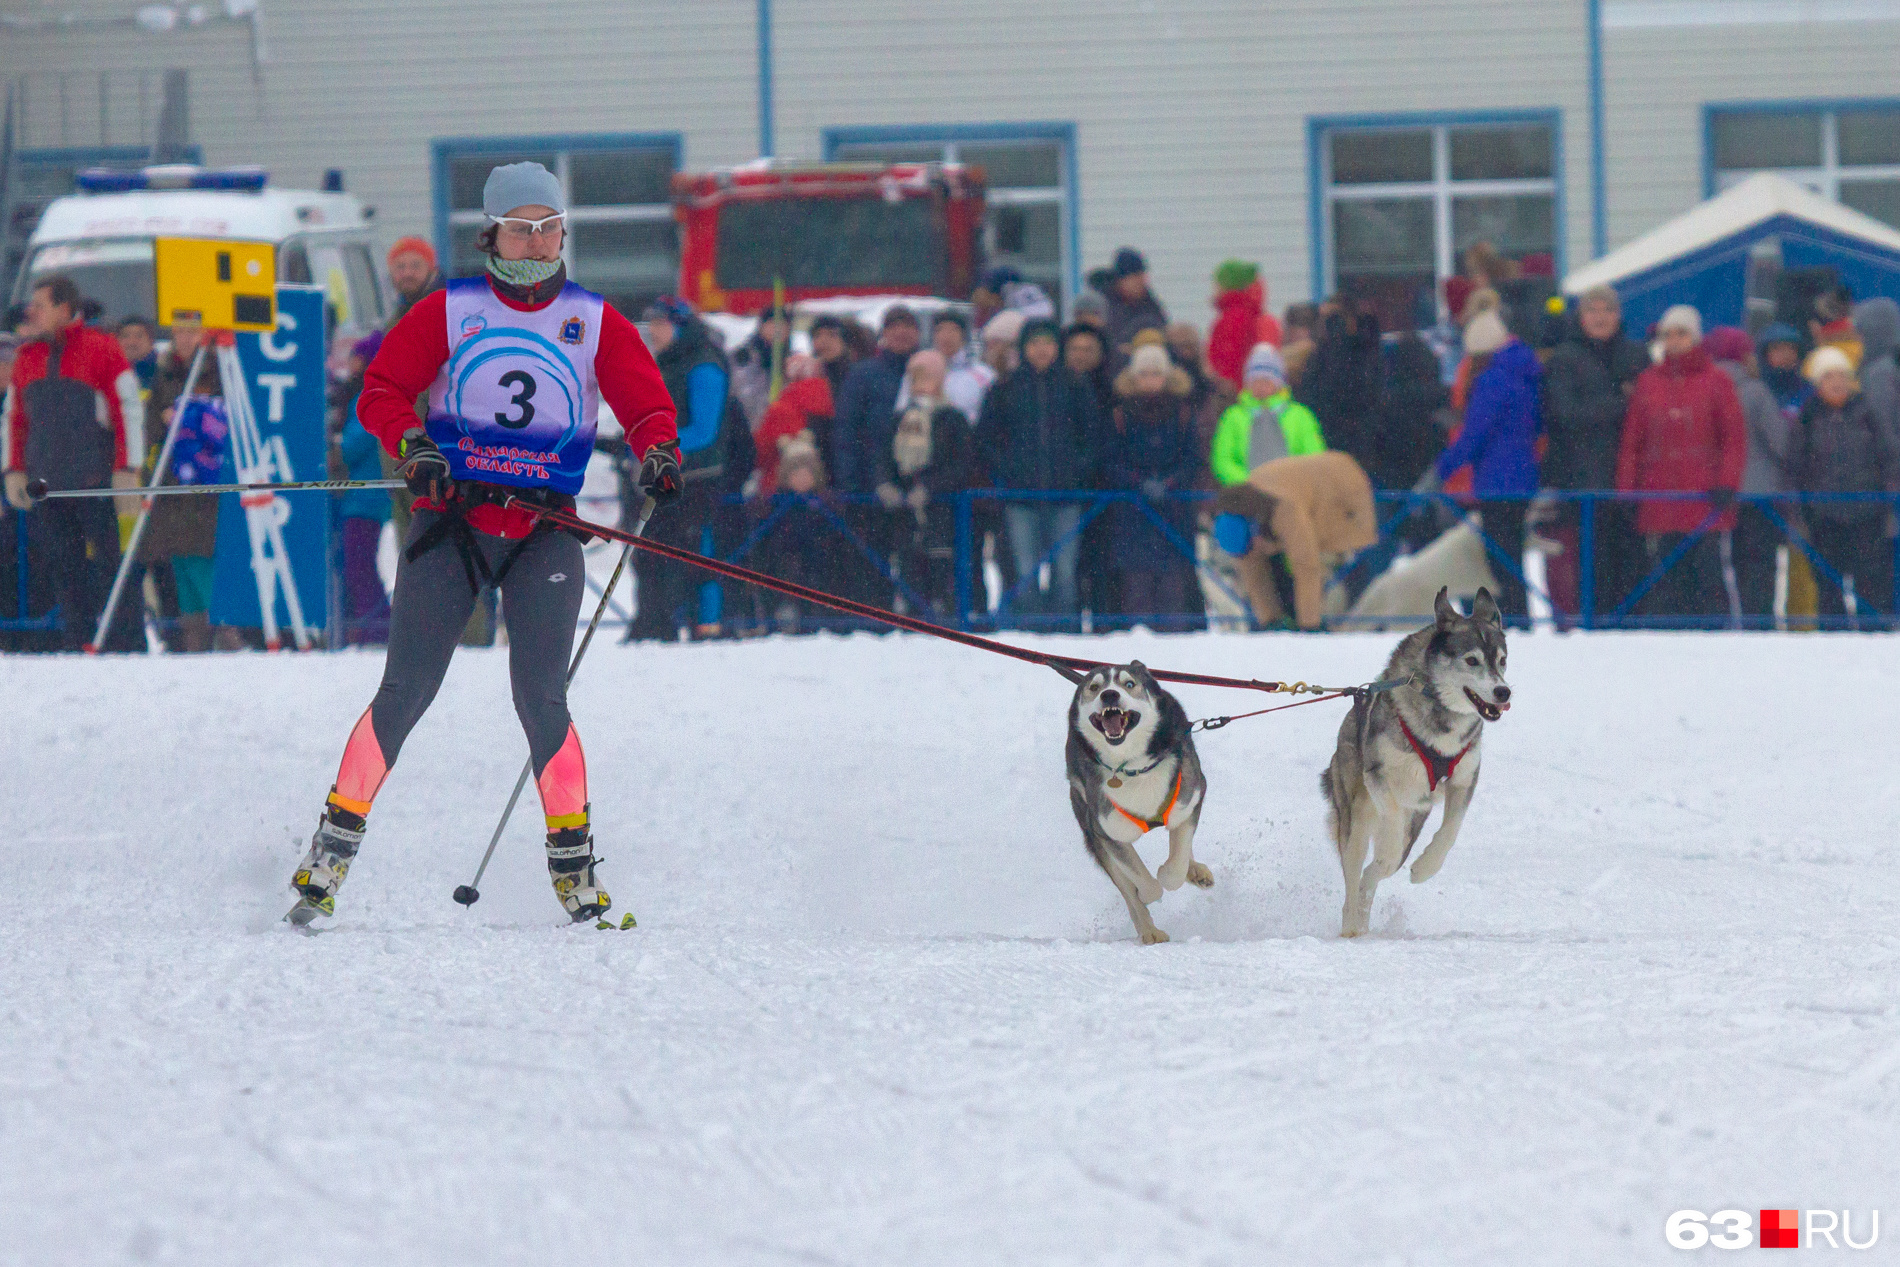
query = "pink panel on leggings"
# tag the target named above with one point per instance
(563, 783)
(363, 769)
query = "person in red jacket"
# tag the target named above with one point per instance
(1241, 298)
(800, 545)
(513, 366)
(1684, 432)
(74, 416)
(807, 397)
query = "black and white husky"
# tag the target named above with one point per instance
(1133, 768)
(1405, 750)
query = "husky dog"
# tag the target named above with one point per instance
(1132, 768)
(1402, 751)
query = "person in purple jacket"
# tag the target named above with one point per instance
(1503, 419)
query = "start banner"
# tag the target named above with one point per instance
(284, 376)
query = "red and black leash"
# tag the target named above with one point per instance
(1215, 723)
(1070, 667)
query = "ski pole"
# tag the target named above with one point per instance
(38, 491)
(468, 894)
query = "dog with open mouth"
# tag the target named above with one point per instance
(1133, 768)
(1402, 752)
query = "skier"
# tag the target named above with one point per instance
(514, 365)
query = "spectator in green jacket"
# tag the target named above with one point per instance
(1265, 423)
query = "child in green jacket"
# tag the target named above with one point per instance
(1264, 423)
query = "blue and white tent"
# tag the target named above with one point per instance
(1708, 256)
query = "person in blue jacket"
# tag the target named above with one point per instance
(1504, 417)
(715, 459)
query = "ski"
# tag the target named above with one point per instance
(305, 911)
(300, 915)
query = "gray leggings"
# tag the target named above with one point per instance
(541, 598)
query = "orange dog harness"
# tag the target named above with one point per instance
(1145, 824)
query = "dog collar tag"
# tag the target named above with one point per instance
(1115, 781)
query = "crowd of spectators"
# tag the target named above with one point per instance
(837, 464)
(1721, 413)
(1497, 403)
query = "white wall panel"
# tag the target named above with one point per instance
(1191, 116)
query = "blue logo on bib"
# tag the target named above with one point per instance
(573, 330)
(514, 412)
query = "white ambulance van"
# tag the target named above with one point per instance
(102, 236)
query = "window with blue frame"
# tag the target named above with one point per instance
(621, 241)
(1848, 151)
(1029, 221)
(1399, 199)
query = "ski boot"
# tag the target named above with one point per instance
(320, 874)
(571, 864)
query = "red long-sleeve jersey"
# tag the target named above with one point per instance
(417, 346)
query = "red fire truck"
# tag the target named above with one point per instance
(827, 229)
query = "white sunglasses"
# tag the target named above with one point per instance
(545, 226)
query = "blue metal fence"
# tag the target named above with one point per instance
(855, 532)
(1628, 610)
(1625, 614)
(20, 622)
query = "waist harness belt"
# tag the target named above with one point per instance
(453, 526)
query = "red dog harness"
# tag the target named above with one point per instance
(1437, 768)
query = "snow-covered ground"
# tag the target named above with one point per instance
(881, 1009)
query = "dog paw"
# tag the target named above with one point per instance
(1424, 869)
(1173, 875)
(1200, 877)
(1153, 936)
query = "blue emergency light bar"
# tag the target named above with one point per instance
(107, 180)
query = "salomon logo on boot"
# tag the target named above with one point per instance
(321, 873)
(571, 864)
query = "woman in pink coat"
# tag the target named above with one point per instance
(1685, 432)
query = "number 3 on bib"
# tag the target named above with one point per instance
(517, 400)
(524, 385)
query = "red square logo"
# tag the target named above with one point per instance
(1781, 1229)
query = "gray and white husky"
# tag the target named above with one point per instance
(1133, 768)
(1405, 750)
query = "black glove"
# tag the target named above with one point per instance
(423, 468)
(659, 476)
(1720, 499)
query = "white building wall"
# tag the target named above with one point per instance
(1191, 116)
(366, 86)
(1659, 78)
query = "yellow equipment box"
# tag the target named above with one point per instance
(230, 285)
